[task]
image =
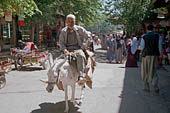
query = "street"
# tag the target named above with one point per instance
(131, 44)
(115, 90)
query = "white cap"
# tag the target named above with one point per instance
(71, 16)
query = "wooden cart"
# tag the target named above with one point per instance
(34, 57)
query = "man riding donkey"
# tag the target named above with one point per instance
(71, 40)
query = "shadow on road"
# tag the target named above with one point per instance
(21, 92)
(135, 100)
(28, 68)
(58, 107)
(131, 95)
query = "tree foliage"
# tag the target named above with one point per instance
(128, 12)
(20, 7)
(86, 11)
(103, 27)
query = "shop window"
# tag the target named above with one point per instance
(6, 33)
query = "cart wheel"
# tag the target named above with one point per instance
(2, 81)
(20, 62)
(16, 65)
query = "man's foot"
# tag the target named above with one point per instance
(156, 89)
(146, 87)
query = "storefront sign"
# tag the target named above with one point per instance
(8, 16)
(21, 22)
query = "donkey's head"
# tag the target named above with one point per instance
(53, 75)
(52, 80)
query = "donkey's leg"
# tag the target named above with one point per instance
(82, 94)
(66, 98)
(73, 94)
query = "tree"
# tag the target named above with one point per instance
(86, 11)
(130, 13)
(17, 7)
(20, 7)
(103, 27)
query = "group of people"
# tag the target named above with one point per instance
(152, 47)
(115, 48)
(118, 48)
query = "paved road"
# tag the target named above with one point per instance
(115, 90)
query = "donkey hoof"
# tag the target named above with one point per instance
(80, 103)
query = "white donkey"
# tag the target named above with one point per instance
(63, 75)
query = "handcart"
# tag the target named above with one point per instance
(30, 55)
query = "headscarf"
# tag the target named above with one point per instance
(134, 45)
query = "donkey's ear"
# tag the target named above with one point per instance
(60, 85)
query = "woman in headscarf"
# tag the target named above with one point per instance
(110, 45)
(119, 49)
(131, 56)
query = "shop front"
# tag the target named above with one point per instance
(6, 35)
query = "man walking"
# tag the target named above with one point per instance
(150, 54)
(72, 39)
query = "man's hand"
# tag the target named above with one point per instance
(66, 51)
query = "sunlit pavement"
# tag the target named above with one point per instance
(115, 90)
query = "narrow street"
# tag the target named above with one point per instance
(121, 33)
(115, 90)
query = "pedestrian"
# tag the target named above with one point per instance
(131, 55)
(168, 36)
(150, 54)
(89, 43)
(72, 39)
(160, 59)
(103, 42)
(110, 48)
(119, 47)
